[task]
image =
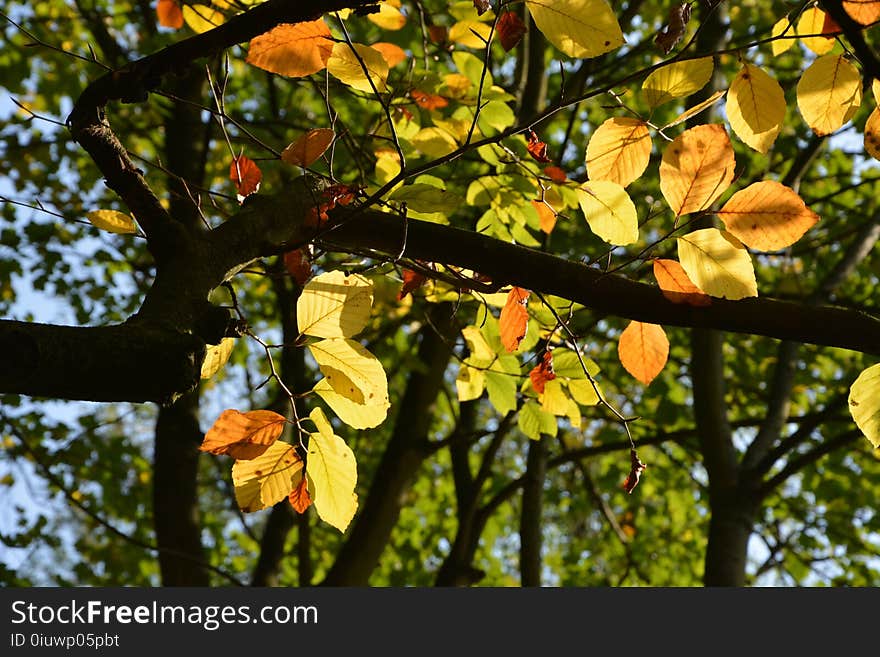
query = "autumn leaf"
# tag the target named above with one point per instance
(546, 216)
(675, 27)
(783, 36)
(308, 148)
(292, 49)
(718, 264)
(202, 18)
(537, 148)
(510, 30)
(677, 80)
(828, 93)
(333, 471)
(412, 280)
(113, 221)
(556, 174)
(696, 109)
(609, 211)
(864, 403)
(579, 28)
(389, 16)
(872, 134)
(243, 436)
(635, 471)
(392, 53)
(216, 356)
(619, 150)
(333, 305)
(469, 383)
(297, 264)
(348, 62)
(245, 175)
(755, 107)
(267, 479)
(299, 497)
(428, 101)
(470, 34)
(482, 6)
(542, 372)
(643, 350)
(864, 12)
(696, 168)
(812, 22)
(676, 286)
(767, 216)
(169, 14)
(514, 319)
(351, 370)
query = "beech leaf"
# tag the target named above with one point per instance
(643, 350)
(292, 49)
(243, 436)
(696, 168)
(514, 319)
(308, 148)
(267, 479)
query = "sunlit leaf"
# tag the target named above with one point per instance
(113, 221)
(294, 50)
(169, 14)
(299, 497)
(514, 319)
(755, 107)
(412, 281)
(783, 33)
(434, 142)
(872, 134)
(579, 28)
(828, 93)
(333, 471)
(334, 305)
(202, 18)
(537, 148)
(245, 175)
(696, 109)
(619, 150)
(357, 416)
(543, 372)
(864, 403)
(389, 16)
(696, 168)
(216, 357)
(392, 53)
(677, 80)
(267, 479)
(609, 211)
(297, 264)
(243, 435)
(428, 101)
(470, 34)
(533, 420)
(643, 350)
(864, 12)
(351, 63)
(676, 286)
(718, 264)
(812, 21)
(510, 30)
(422, 197)
(308, 148)
(553, 399)
(351, 370)
(470, 383)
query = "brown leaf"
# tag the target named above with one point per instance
(169, 14)
(537, 148)
(676, 24)
(676, 286)
(636, 469)
(297, 263)
(510, 30)
(412, 280)
(514, 319)
(830, 26)
(438, 33)
(428, 101)
(246, 175)
(482, 6)
(542, 372)
(299, 497)
(243, 436)
(308, 148)
(556, 174)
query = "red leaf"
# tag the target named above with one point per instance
(830, 26)
(555, 174)
(334, 195)
(679, 15)
(245, 175)
(297, 263)
(428, 101)
(299, 497)
(542, 372)
(510, 30)
(437, 33)
(482, 6)
(169, 14)
(412, 280)
(537, 149)
(514, 319)
(636, 469)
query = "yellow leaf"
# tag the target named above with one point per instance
(266, 480)
(469, 383)
(583, 392)
(389, 16)
(243, 435)
(718, 264)
(553, 399)
(677, 80)
(619, 150)
(481, 353)
(755, 107)
(696, 168)
(872, 134)
(462, 33)
(308, 148)
(875, 89)
(783, 34)
(767, 216)
(216, 357)
(864, 12)
(113, 221)
(344, 65)
(609, 211)
(643, 350)
(202, 18)
(334, 305)
(294, 50)
(812, 21)
(579, 28)
(864, 403)
(696, 109)
(351, 370)
(357, 416)
(333, 471)
(828, 93)
(434, 142)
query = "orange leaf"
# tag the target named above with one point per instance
(428, 101)
(643, 350)
(298, 265)
(308, 148)
(243, 436)
(676, 286)
(542, 372)
(299, 497)
(169, 14)
(767, 216)
(514, 319)
(293, 49)
(412, 280)
(393, 54)
(863, 11)
(510, 29)
(546, 215)
(635, 470)
(245, 175)
(537, 148)
(556, 174)
(619, 150)
(696, 168)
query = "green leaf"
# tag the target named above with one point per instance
(532, 420)
(502, 391)
(427, 198)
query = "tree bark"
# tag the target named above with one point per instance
(530, 521)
